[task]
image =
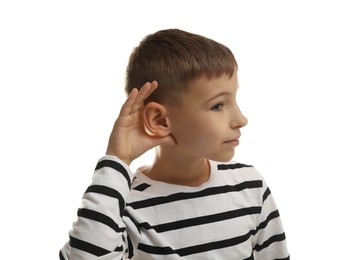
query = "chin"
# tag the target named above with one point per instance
(222, 157)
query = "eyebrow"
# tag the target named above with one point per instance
(223, 93)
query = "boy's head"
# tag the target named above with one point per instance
(174, 58)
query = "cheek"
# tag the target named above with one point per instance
(198, 133)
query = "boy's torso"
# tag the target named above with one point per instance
(216, 220)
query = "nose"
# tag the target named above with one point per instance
(238, 120)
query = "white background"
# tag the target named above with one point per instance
(62, 69)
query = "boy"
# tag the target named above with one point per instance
(192, 202)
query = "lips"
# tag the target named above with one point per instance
(233, 142)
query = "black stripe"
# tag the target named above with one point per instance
(273, 239)
(142, 187)
(215, 245)
(87, 247)
(202, 220)
(119, 249)
(108, 192)
(232, 166)
(192, 195)
(61, 256)
(99, 217)
(266, 194)
(166, 250)
(272, 215)
(197, 248)
(130, 247)
(116, 166)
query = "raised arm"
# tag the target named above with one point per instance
(129, 139)
(99, 230)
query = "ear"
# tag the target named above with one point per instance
(156, 122)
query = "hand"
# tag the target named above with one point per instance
(128, 139)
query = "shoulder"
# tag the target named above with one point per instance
(234, 173)
(236, 169)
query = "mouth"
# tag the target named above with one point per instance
(233, 142)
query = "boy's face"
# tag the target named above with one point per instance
(207, 123)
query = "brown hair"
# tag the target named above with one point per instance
(174, 58)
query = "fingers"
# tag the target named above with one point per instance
(136, 98)
(143, 94)
(127, 106)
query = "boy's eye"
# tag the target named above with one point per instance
(218, 107)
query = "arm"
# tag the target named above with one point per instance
(270, 239)
(100, 230)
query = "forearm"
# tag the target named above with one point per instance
(99, 229)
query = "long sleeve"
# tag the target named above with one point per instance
(270, 239)
(100, 232)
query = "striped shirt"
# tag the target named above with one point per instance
(125, 216)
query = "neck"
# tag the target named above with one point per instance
(178, 168)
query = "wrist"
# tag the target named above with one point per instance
(122, 158)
